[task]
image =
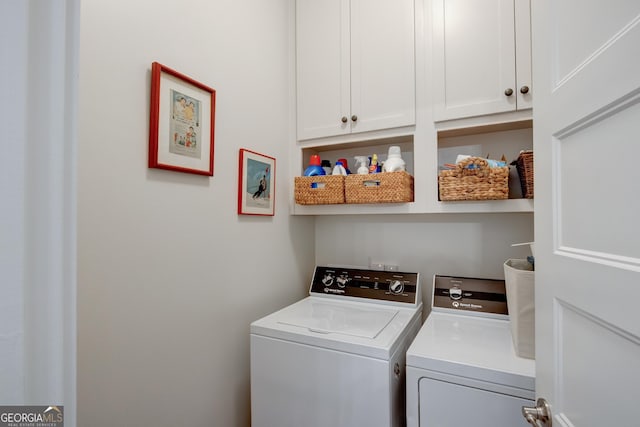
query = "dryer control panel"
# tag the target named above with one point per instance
(371, 284)
(470, 295)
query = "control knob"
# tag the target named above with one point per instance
(396, 287)
(342, 281)
(455, 292)
(327, 280)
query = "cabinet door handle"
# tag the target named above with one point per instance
(354, 118)
(524, 89)
(344, 119)
(508, 92)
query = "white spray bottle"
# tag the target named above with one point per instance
(361, 162)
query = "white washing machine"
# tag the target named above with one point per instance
(337, 357)
(462, 369)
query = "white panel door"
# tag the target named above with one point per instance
(523, 88)
(322, 68)
(382, 64)
(586, 59)
(474, 57)
(355, 66)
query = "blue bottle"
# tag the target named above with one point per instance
(315, 167)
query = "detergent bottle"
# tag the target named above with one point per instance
(326, 165)
(338, 169)
(394, 160)
(346, 165)
(315, 167)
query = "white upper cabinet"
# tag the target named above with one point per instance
(355, 66)
(481, 57)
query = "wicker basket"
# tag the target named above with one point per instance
(478, 183)
(524, 165)
(384, 187)
(319, 190)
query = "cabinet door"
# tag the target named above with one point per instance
(523, 53)
(474, 57)
(382, 64)
(322, 67)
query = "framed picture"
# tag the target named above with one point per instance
(256, 184)
(182, 122)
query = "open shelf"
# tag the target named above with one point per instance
(485, 128)
(348, 151)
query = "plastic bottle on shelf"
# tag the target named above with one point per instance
(338, 169)
(314, 168)
(326, 165)
(345, 164)
(373, 167)
(394, 160)
(361, 162)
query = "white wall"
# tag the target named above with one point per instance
(169, 276)
(456, 244)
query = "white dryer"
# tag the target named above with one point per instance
(337, 357)
(462, 369)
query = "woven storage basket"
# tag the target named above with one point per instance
(384, 187)
(524, 165)
(319, 190)
(479, 183)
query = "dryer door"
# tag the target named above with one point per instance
(446, 404)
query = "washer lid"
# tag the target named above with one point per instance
(325, 318)
(367, 329)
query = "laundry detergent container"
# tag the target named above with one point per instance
(519, 280)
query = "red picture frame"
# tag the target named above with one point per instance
(256, 183)
(181, 123)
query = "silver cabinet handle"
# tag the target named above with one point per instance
(354, 118)
(344, 119)
(524, 89)
(539, 415)
(508, 92)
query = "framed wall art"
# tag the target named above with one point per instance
(256, 184)
(182, 122)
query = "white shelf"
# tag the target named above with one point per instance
(485, 206)
(356, 209)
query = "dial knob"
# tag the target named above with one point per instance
(396, 287)
(327, 280)
(342, 281)
(455, 292)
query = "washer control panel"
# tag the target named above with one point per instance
(371, 284)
